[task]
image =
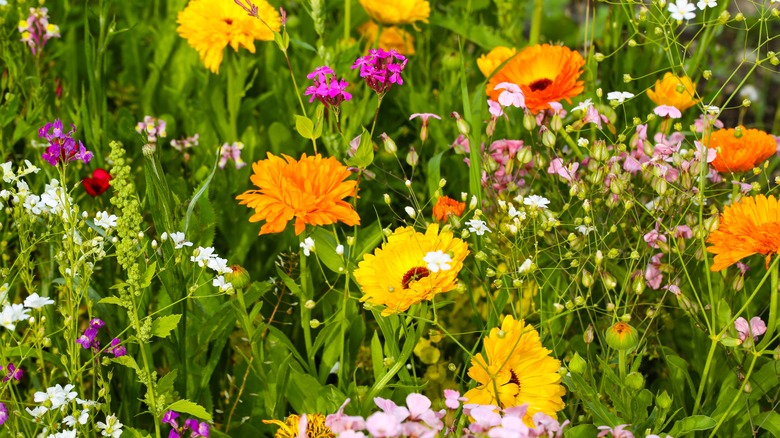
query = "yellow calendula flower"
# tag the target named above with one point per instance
(397, 275)
(211, 25)
(395, 12)
(391, 38)
(315, 427)
(489, 62)
(516, 369)
(673, 90)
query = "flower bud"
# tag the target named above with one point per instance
(548, 138)
(622, 336)
(556, 123)
(587, 278)
(314, 323)
(599, 152)
(524, 156)
(309, 304)
(599, 257)
(529, 121)
(388, 143)
(238, 277)
(638, 285)
(589, 334)
(635, 381)
(412, 158)
(410, 211)
(577, 364)
(463, 126)
(609, 280)
(386, 197)
(663, 401)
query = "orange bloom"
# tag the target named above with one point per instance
(673, 90)
(545, 73)
(750, 226)
(446, 206)
(740, 149)
(311, 190)
(391, 38)
(490, 61)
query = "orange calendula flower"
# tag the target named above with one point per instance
(740, 149)
(515, 370)
(395, 12)
(544, 73)
(750, 226)
(315, 427)
(391, 38)
(490, 61)
(211, 25)
(673, 90)
(310, 190)
(402, 272)
(446, 206)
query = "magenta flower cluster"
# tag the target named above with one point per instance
(381, 69)
(62, 147)
(328, 89)
(89, 339)
(196, 428)
(13, 372)
(417, 419)
(37, 31)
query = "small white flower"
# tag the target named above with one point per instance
(219, 265)
(82, 419)
(536, 201)
(13, 313)
(65, 434)
(704, 4)
(682, 10)
(340, 249)
(203, 255)
(515, 213)
(525, 267)
(164, 236)
(582, 142)
(410, 211)
(178, 240)
(582, 106)
(712, 109)
(37, 412)
(8, 174)
(105, 220)
(438, 261)
(585, 229)
(29, 168)
(619, 96)
(112, 427)
(478, 226)
(220, 282)
(36, 302)
(308, 246)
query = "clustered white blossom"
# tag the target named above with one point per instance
(60, 399)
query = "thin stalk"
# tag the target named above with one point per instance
(347, 18)
(306, 294)
(536, 22)
(705, 374)
(735, 399)
(773, 309)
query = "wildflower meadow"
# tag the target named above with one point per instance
(390, 218)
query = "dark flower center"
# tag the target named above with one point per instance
(414, 274)
(229, 21)
(540, 84)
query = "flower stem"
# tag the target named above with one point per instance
(306, 294)
(725, 415)
(536, 22)
(773, 309)
(704, 375)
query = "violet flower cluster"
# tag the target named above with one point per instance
(381, 69)
(13, 373)
(501, 170)
(62, 147)
(196, 428)
(152, 127)
(37, 31)
(184, 144)
(89, 340)
(328, 89)
(417, 419)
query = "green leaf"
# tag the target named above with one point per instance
(127, 361)
(110, 300)
(162, 326)
(146, 280)
(769, 421)
(191, 408)
(581, 431)
(203, 188)
(377, 357)
(692, 424)
(434, 174)
(326, 250)
(365, 152)
(304, 126)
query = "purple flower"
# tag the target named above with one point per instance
(62, 147)
(116, 349)
(232, 152)
(89, 338)
(653, 237)
(199, 429)
(617, 431)
(339, 423)
(381, 69)
(152, 127)
(756, 328)
(667, 111)
(327, 88)
(37, 31)
(169, 417)
(452, 399)
(653, 274)
(3, 413)
(13, 373)
(96, 323)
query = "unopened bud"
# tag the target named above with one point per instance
(463, 126)
(609, 280)
(314, 323)
(587, 278)
(577, 364)
(663, 401)
(529, 121)
(548, 138)
(310, 304)
(238, 277)
(388, 143)
(635, 381)
(621, 336)
(524, 155)
(589, 334)
(386, 197)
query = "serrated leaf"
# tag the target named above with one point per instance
(365, 152)
(127, 361)
(304, 126)
(189, 407)
(162, 326)
(146, 280)
(110, 300)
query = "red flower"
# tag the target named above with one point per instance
(98, 184)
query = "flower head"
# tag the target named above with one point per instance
(750, 226)
(682, 10)
(98, 183)
(232, 152)
(489, 62)
(3, 413)
(673, 90)
(36, 30)
(310, 190)
(446, 207)
(313, 425)
(619, 96)
(391, 38)
(756, 328)
(62, 147)
(544, 73)
(152, 128)
(34, 301)
(381, 69)
(116, 348)
(397, 275)
(516, 369)
(211, 25)
(397, 11)
(327, 88)
(13, 373)
(112, 427)
(740, 149)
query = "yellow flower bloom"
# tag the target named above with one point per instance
(666, 92)
(395, 12)
(490, 61)
(396, 276)
(391, 38)
(315, 427)
(517, 370)
(211, 25)
(310, 190)
(740, 149)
